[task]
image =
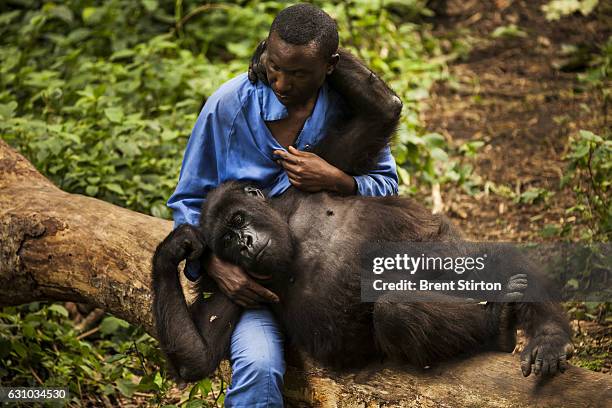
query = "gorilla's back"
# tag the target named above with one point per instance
(324, 288)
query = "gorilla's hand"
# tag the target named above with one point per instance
(548, 351)
(237, 285)
(257, 68)
(185, 242)
(515, 288)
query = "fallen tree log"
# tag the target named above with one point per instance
(60, 246)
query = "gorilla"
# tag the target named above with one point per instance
(306, 248)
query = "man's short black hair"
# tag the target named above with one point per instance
(304, 23)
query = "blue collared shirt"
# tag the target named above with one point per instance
(230, 141)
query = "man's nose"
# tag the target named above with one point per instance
(283, 84)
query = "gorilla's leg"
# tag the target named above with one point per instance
(440, 327)
(549, 343)
(194, 338)
(426, 332)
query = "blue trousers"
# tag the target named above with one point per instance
(258, 364)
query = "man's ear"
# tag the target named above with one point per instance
(331, 64)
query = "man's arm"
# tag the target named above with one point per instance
(309, 172)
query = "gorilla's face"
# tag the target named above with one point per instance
(240, 227)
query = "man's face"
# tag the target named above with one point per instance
(295, 72)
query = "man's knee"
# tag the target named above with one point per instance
(262, 369)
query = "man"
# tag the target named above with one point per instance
(263, 133)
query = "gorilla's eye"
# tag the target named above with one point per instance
(237, 220)
(227, 240)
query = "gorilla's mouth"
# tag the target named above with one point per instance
(256, 275)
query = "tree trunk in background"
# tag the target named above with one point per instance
(60, 246)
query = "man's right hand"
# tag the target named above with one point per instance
(236, 284)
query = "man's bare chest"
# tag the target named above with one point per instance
(286, 130)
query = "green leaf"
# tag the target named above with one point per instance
(439, 154)
(590, 136)
(115, 188)
(7, 110)
(572, 284)
(7, 18)
(150, 5)
(111, 324)
(126, 387)
(159, 381)
(122, 54)
(20, 349)
(92, 15)
(550, 230)
(91, 191)
(434, 140)
(115, 357)
(511, 30)
(115, 115)
(63, 13)
(59, 309)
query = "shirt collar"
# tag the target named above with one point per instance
(272, 109)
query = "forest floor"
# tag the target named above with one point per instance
(510, 93)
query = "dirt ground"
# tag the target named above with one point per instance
(510, 93)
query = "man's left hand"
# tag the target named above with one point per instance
(309, 172)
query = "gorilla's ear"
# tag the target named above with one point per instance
(254, 192)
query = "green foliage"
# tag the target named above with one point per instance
(532, 195)
(101, 96)
(590, 173)
(388, 38)
(511, 30)
(39, 343)
(556, 9)
(600, 72)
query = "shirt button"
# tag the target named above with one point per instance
(307, 147)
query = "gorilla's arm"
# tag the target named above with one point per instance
(354, 142)
(194, 338)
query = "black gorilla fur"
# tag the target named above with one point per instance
(304, 247)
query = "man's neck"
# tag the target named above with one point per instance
(304, 108)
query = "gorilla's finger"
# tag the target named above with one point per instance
(256, 65)
(526, 360)
(562, 363)
(546, 366)
(518, 282)
(197, 249)
(513, 296)
(537, 366)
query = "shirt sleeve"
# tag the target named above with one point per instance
(382, 180)
(199, 174)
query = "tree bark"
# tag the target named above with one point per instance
(60, 246)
